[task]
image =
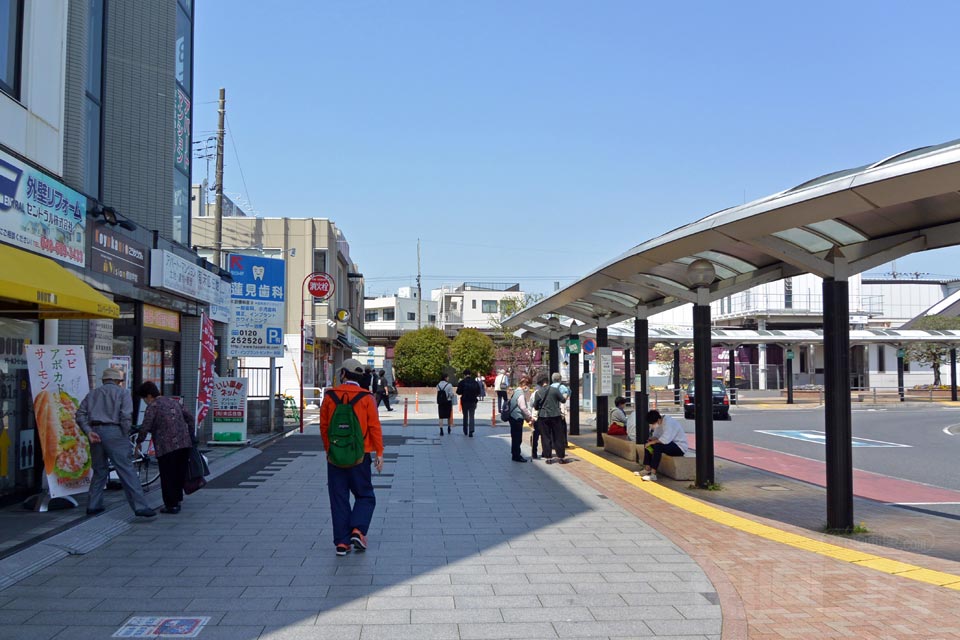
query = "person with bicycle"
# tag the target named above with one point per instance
(171, 426)
(106, 415)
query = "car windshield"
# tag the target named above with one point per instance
(717, 387)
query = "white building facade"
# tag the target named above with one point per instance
(401, 312)
(473, 305)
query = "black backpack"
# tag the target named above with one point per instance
(442, 396)
(506, 411)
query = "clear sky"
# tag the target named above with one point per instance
(533, 140)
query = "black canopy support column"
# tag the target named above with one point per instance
(789, 374)
(839, 445)
(676, 374)
(900, 373)
(953, 374)
(626, 373)
(641, 403)
(733, 374)
(574, 394)
(554, 355)
(603, 416)
(703, 400)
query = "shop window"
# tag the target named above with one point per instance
(11, 46)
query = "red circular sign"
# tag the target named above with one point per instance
(321, 285)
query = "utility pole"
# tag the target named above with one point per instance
(218, 186)
(419, 290)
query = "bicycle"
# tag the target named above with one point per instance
(144, 464)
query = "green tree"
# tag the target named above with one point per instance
(663, 354)
(931, 353)
(472, 350)
(420, 356)
(522, 356)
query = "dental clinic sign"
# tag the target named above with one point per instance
(39, 214)
(257, 296)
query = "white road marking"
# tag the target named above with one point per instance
(952, 430)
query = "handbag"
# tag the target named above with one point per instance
(196, 465)
(192, 485)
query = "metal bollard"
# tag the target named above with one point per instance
(493, 415)
(406, 410)
(416, 408)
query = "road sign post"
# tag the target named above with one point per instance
(321, 286)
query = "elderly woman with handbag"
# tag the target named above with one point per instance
(173, 437)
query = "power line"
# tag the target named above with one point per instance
(236, 153)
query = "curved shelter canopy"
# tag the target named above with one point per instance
(836, 225)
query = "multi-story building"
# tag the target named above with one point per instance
(398, 313)
(95, 112)
(334, 327)
(201, 207)
(475, 305)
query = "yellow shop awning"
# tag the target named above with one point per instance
(34, 285)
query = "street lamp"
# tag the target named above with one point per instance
(700, 275)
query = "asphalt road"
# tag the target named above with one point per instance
(932, 456)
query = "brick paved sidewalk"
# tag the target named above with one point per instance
(772, 591)
(465, 544)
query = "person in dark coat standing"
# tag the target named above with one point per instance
(382, 390)
(173, 435)
(469, 392)
(367, 380)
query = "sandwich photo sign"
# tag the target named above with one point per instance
(58, 382)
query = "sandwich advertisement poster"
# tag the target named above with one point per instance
(58, 382)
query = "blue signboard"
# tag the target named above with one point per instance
(819, 437)
(257, 296)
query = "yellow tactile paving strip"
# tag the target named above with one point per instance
(859, 558)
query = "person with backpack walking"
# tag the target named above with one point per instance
(353, 440)
(469, 392)
(383, 388)
(445, 399)
(500, 384)
(519, 412)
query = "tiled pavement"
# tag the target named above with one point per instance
(465, 544)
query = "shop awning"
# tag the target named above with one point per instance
(37, 286)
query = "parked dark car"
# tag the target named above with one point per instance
(721, 401)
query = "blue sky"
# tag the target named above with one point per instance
(533, 140)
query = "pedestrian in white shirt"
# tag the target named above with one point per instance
(667, 438)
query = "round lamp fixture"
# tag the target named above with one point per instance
(700, 273)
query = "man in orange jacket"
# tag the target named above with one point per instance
(350, 525)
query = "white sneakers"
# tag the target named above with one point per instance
(646, 476)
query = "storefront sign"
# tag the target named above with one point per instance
(25, 451)
(205, 372)
(58, 383)
(321, 285)
(220, 311)
(230, 409)
(181, 124)
(604, 371)
(257, 294)
(163, 319)
(101, 337)
(356, 339)
(172, 273)
(39, 214)
(115, 255)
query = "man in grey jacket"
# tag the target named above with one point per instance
(548, 402)
(106, 415)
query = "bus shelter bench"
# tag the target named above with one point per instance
(620, 446)
(676, 467)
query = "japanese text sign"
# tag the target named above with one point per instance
(230, 409)
(58, 383)
(257, 296)
(206, 374)
(39, 214)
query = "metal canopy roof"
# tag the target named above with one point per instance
(836, 225)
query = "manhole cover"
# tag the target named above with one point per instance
(773, 487)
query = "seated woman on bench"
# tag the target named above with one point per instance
(667, 438)
(618, 418)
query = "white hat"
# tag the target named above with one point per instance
(112, 374)
(352, 365)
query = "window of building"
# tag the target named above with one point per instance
(411, 316)
(881, 358)
(788, 293)
(11, 41)
(474, 305)
(489, 306)
(371, 316)
(432, 318)
(388, 314)
(320, 261)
